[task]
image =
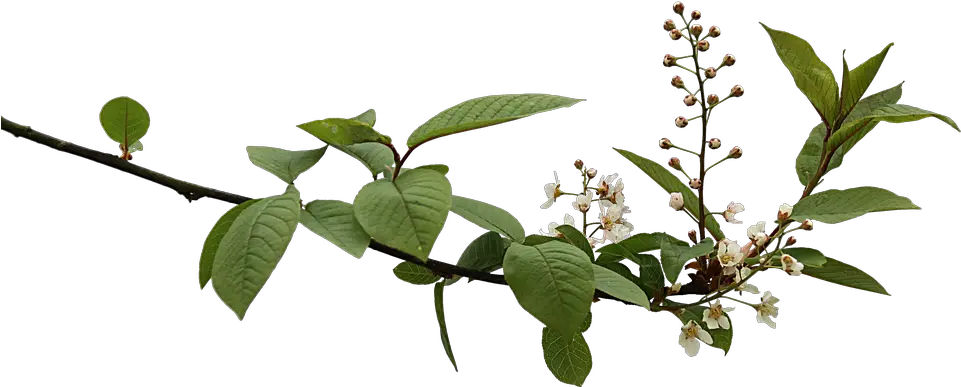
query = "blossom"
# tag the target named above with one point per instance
(615, 226)
(677, 201)
(552, 227)
(593, 241)
(757, 234)
(583, 202)
(714, 316)
(689, 335)
(740, 275)
(610, 191)
(733, 209)
(766, 309)
(729, 255)
(791, 265)
(784, 212)
(553, 191)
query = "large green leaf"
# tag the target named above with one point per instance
(285, 164)
(486, 111)
(576, 238)
(343, 131)
(252, 247)
(376, 157)
(334, 221)
(843, 274)
(835, 206)
(415, 274)
(639, 243)
(124, 120)
(808, 256)
(568, 357)
(406, 214)
(894, 113)
(722, 337)
(622, 288)
(673, 257)
(650, 274)
(671, 183)
(488, 217)
(811, 75)
(855, 83)
(439, 308)
(553, 281)
(216, 235)
(486, 253)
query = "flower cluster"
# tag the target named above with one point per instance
(608, 194)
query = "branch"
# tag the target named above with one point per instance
(194, 192)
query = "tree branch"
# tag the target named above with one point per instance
(194, 192)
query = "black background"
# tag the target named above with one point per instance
(101, 259)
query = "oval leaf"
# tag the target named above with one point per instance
(415, 274)
(486, 111)
(334, 221)
(343, 132)
(568, 358)
(368, 117)
(553, 281)
(811, 75)
(286, 165)
(486, 253)
(894, 113)
(216, 235)
(673, 257)
(252, 247)
(488, 217)
(843, 274)
(439, 308)
(124, 120)
(614, 284)
(808, 256)
(406, 214)
(577, 239)
(834, 206)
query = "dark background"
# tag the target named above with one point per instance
(101, 259)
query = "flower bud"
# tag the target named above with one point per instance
(675, 163)
(689, 100)
(703, 45)
(737, 91)
(669, 25)
(735, 153)
(669, 60)
(710, 72)
(693, 235)
(784, 213)
(578, 164)
(677, 82)
(675, 34)
(714, 32)
(695, 183)
(591, 173)
(679, 8)
(677, 201)
(714, 143)
(665, 143)
(713, 99)
(680, 122)
(807, 225)
(790, 241)
(728, 60)
(696, 29)
(695, 14)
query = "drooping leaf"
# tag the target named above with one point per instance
(216, 235)
(486, 111)
(577, 239)
(376, 157)
(614, 284)
(334, 221)
(343, 131)
(415, 274)
(835, 206)
(252, 247)
(671, 183)
(286, 165)
(894, 113)
(486, 253)
(553, 281)
(125, 120)
(814, 78)
(406, 214)
(488, 217)
(855, 83)
(843, 274)
(722, 337)
(568, 358)
(439, 308)
(808, 256)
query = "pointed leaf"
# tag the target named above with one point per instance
(486, 111)
(650, 275)
(674, 258)
(577, 239)
(671, 183)
(415, 274)
(536, 239)
(334, 221)
(843, 274)
(486, 253)
(286, 165)
(856, 82)
(811, 75)
(443, 169)
(406, 214)
(374, 156)
(568, 358)
(343, 132)
(808, 256)
(639, 243)
(834, 206)
(368, 117)
(488, 217)
(439, 308)
(722, 337)
(614, 284)
(124, 120)
(894, 113)
(252, 247)
(553, 281)
(216, 235)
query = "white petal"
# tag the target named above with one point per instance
(750, 289)
(711, 323)
(724, 322)
(691, 347)
(549, 190)
(568, 219)
(547, 204)
(705, 336)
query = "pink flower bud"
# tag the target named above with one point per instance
(695, 14)
(714, 32)
(680, 122)
(665, 144)
(703, 45)
(669, 25)
(669, 60)
(689, 100)
(728, 60)
(578, 164)
(696, 29)
(807, 225)
(675, 34)
(737, 91)
(714, 143)
(677, 82)
(679, 8)
(675, 163)
(693, 235)
(695, 183)
(790, 241)
(713, 99)
(591, 173)
(710, 72)
(735, 153)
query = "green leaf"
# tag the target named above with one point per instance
(374, 156)
(252, 247)
(639, 243)
(808, 256)
(834, 206)
(443, 169)
(368, 117)
(486, 253)
(536, 239)
(334, 221)
(671, 183)
(124, 120)
(439, 308)
(568, 358)
(486, 111)
(843, 274)
(614, 284)
(553, 281)
(811, 75)
(676, 256)
(894, 113)
(286, 165)
(415, 274)
(587, 322)
(577, 239)
(406, 214)
(216, 235)
(488, 217)
(136, 147)
(343, 131)
(722, 337)
(650, 274)
(855, 83)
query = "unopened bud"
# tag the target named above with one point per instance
(696, 29)
(669, 60)
(714, 143)
(680, 122)
(677, 201)
(703, 45)
(675, 34)
(784, 213)
(693, 235)
(737, 91)
(669, 25)
(578, 164)
(790, 241)
(675, 163)
(679, 8)
(714, 32)
(713, 99)
(689, 100)
(591, 173)
(695, 14)
(665, 143)
(677, 82)
(728, 60)
(710, 72)
(807, 225)
(695, 183)
(735, 153)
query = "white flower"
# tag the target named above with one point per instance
(766, 310)
(593, 241)
(616, 228)
(553, 191)
(714, 316)
(757, 234)
(791, 265)
(608, 190)
(689, 335)
(552, 227)
(729, 254)
(583, 202)
(784, 212)
(733, 209)
(677, 201)
(741, 275)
